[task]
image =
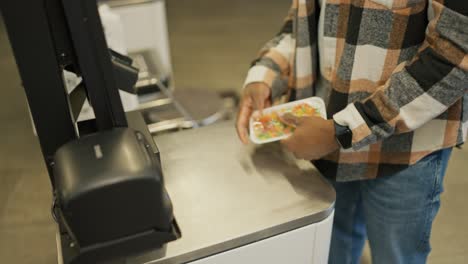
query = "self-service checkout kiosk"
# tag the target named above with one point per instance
(234, 204)
(109, 195)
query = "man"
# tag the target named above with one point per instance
(394, 76)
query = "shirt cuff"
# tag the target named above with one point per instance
(350, 117)
(271, 78)
(257, 73)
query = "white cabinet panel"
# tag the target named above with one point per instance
(306, 245)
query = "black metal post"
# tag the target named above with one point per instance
(28, 27)
(94, 62)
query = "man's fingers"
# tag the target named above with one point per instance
(291, 146)
(290, 143)
(285, 143)
(242, 131)
(294, 143)
(255, 96)
(242, 123)
(259, 103)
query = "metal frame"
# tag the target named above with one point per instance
(48, 36)
(39, 61)
(94, 62)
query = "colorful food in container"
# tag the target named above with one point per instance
(268, 126)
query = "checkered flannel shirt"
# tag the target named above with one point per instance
(394, 71)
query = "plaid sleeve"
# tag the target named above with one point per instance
(421, 89)
(273, 65)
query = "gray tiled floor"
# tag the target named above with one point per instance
(213, 42)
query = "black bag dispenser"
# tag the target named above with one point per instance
(109, 195)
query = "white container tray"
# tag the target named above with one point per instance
(315, 102)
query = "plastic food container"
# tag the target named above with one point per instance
(267, 127)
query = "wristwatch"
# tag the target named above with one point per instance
(343, 135)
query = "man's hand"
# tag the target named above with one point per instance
(313, 138)
(255, 96)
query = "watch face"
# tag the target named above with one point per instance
(346, 139)
(344, 136)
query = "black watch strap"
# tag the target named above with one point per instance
(343, 135)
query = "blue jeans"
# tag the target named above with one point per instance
(394, 213)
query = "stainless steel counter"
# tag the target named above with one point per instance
(226, 195)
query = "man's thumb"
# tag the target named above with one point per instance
(290, 119)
